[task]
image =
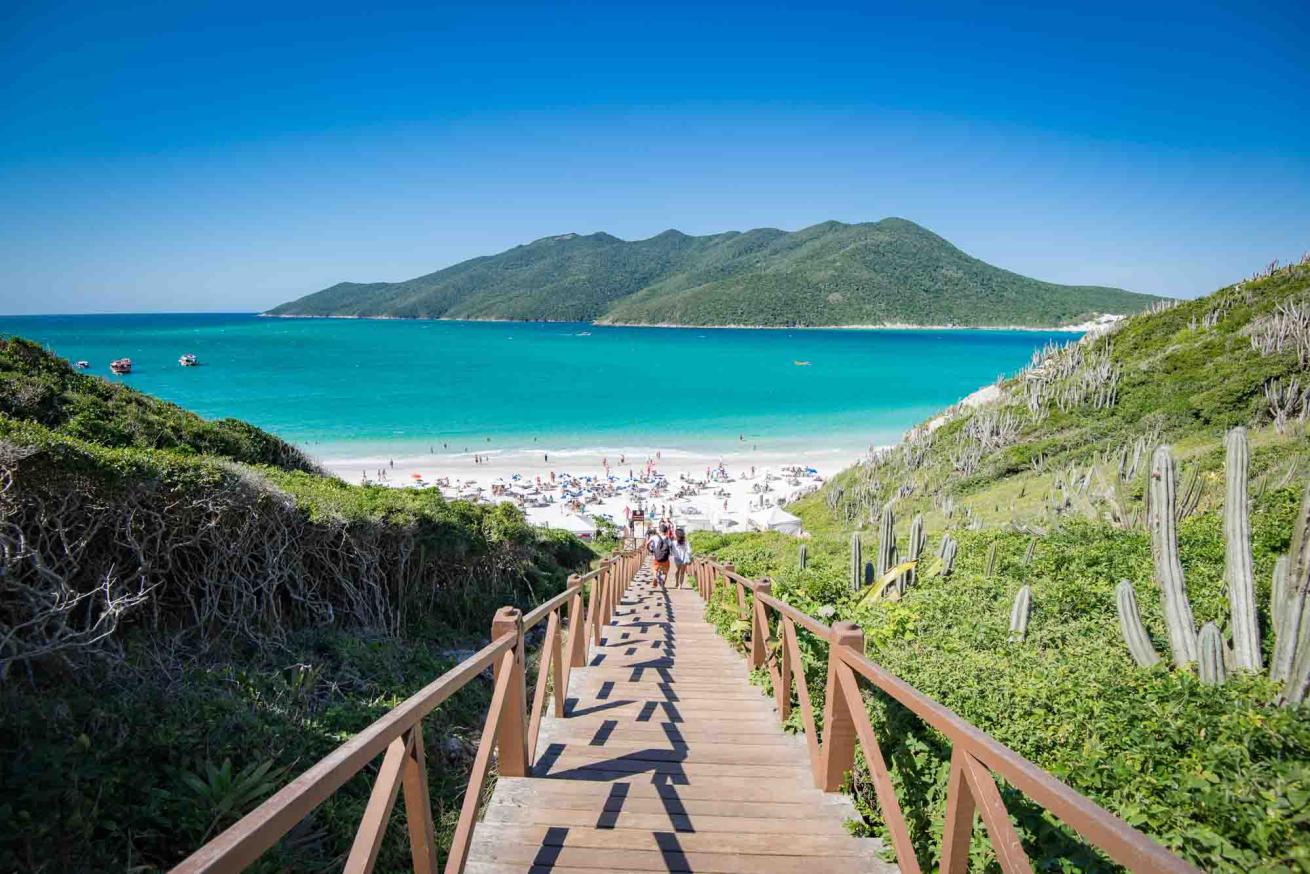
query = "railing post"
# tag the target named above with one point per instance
(577, 626)
(838, 727)
(511, 733)
(593, 611)
(760, 624)
(960, 812)
(730, 568)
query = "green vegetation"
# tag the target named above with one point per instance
(189, 614)
(1043, 488)
(887, 272)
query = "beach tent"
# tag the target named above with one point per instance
(726, 522)
(561, 520)
(576, 523)
(775, 519)
(695, 523)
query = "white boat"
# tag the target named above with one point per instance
(188, 360)
(121, 365)
(83, 365)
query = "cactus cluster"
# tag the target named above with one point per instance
(886, 558)
(1288, 608)
(1019, 614)
(918, 540)
(949, 549)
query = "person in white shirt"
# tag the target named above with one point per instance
(681, 556)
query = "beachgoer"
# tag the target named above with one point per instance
(659, 552)
(681, 556)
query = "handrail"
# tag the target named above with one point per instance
(510, 733)
(976, 756)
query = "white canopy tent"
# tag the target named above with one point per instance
(557, 518)
(727, 522)
(775, 519)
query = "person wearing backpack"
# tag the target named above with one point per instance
(659, 553)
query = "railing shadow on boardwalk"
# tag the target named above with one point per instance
(656, 760)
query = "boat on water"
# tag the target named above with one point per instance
(188, 360)
(121, 365)
(83, 365)
(801, 363)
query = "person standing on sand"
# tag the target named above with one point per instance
(681, 556)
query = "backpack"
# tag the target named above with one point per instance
(660, 552)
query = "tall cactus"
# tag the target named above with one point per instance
(1286, 608)
(1130, 623)
(1210, 656)
(991, 560)
(1019, 613)
(857, 563)
(1237, 555)
(1278, 593)
(949, 549)
(802, 556)
(1030, 551)
(1164, 553)
(918, 540)
(1295, 628)
(886, 558)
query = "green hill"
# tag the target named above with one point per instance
(1044, 485)
(887, 272)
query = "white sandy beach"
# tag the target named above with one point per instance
(662, 482)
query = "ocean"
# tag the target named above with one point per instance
(354, 389)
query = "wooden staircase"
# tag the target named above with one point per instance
(667, 759)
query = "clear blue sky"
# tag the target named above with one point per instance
(184, 156)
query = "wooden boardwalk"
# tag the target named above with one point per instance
(667, 760)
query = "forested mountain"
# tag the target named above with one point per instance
(887, 272)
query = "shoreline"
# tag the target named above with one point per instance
(1081, 327)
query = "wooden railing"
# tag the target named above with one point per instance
(976, 758)
(510, 731)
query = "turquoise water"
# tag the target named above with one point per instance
(347, 388)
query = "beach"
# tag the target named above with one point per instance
(697, 489)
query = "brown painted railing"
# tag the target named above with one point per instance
(976, 757)
(511, 729)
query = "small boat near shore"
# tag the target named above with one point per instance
(188, 360)
(83, 365)
(121, 365)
